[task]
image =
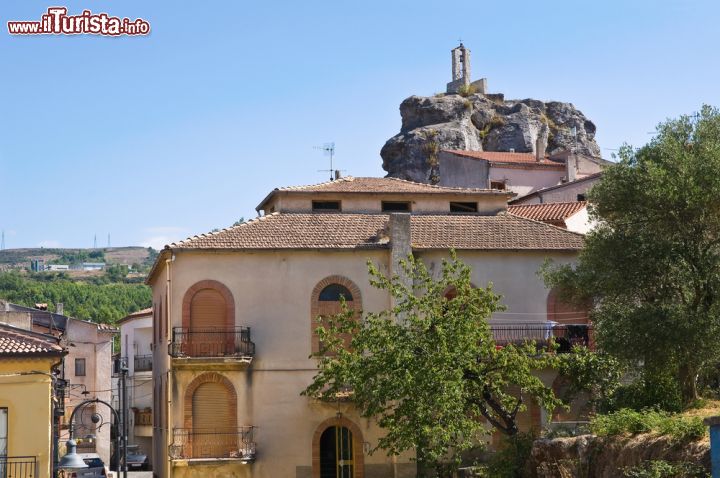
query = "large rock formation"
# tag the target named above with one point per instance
(481, 123)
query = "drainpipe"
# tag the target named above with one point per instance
(168, 360)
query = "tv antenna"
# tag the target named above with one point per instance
(328, 149)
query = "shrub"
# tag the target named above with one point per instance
(626, 421)
(510, 461)
(467, 90)
(664, 469)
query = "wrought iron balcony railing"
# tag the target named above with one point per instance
(212, 342)
(18, 466)
(565, 335)
(204, 443)
(143, 363)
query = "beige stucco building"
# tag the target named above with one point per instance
(136, 335)
(233, 318)
(86, 368)
(29, 369)
(522, 173)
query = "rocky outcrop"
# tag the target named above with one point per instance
(481, 123)
(589, 456)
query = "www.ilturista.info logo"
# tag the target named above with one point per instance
(57, 22)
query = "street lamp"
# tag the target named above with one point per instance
(71, 461)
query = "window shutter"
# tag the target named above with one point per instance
(207, 310)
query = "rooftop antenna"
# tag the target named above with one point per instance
(328, 149)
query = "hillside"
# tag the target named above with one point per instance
(20, 258)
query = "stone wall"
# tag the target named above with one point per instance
(589, 456)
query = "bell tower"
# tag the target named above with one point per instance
(461, 71)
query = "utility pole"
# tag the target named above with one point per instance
(123, 416)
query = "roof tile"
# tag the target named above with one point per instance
(15, 341)
(505, 157)
(551, 211)
(356, 231)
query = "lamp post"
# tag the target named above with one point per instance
(71, 460)
(72, 457)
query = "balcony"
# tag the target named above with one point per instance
(219, 444)
(18, 466)
(143, 422)
(143, 417)
(212, 348)
(143, 363)
(566, 336)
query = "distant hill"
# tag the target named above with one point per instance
(20, 258)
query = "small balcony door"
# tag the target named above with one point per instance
(214, 433)
(336, 453)
(208, 334)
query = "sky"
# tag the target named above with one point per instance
(150, 139)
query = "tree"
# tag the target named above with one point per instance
(428, 369)
(652, 266)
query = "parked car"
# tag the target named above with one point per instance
(96, 467)
(136, 459)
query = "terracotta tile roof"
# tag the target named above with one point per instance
(358, 231)
(366, 185)
(496, 157)
(547, 212)
(135, 315)
(381, 185)
(19, 342)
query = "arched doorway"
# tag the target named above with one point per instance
(337, 450)
(336, 453)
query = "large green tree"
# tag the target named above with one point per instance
(428, 370)
(651, 268)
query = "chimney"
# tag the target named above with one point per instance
(541, 143)
(338, 174)
(571, 165)
(400, 246)
(59, 308)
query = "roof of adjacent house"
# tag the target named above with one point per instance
(136, 315)
(589, 177)
(367, 185)
(19, 342)
(547, 212)
(369, 231)
(51, 320)
(501, 157)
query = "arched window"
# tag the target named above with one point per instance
(210, 417)
(326, 301)
(208, 320)
(335, 292)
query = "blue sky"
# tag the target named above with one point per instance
(151, 139)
